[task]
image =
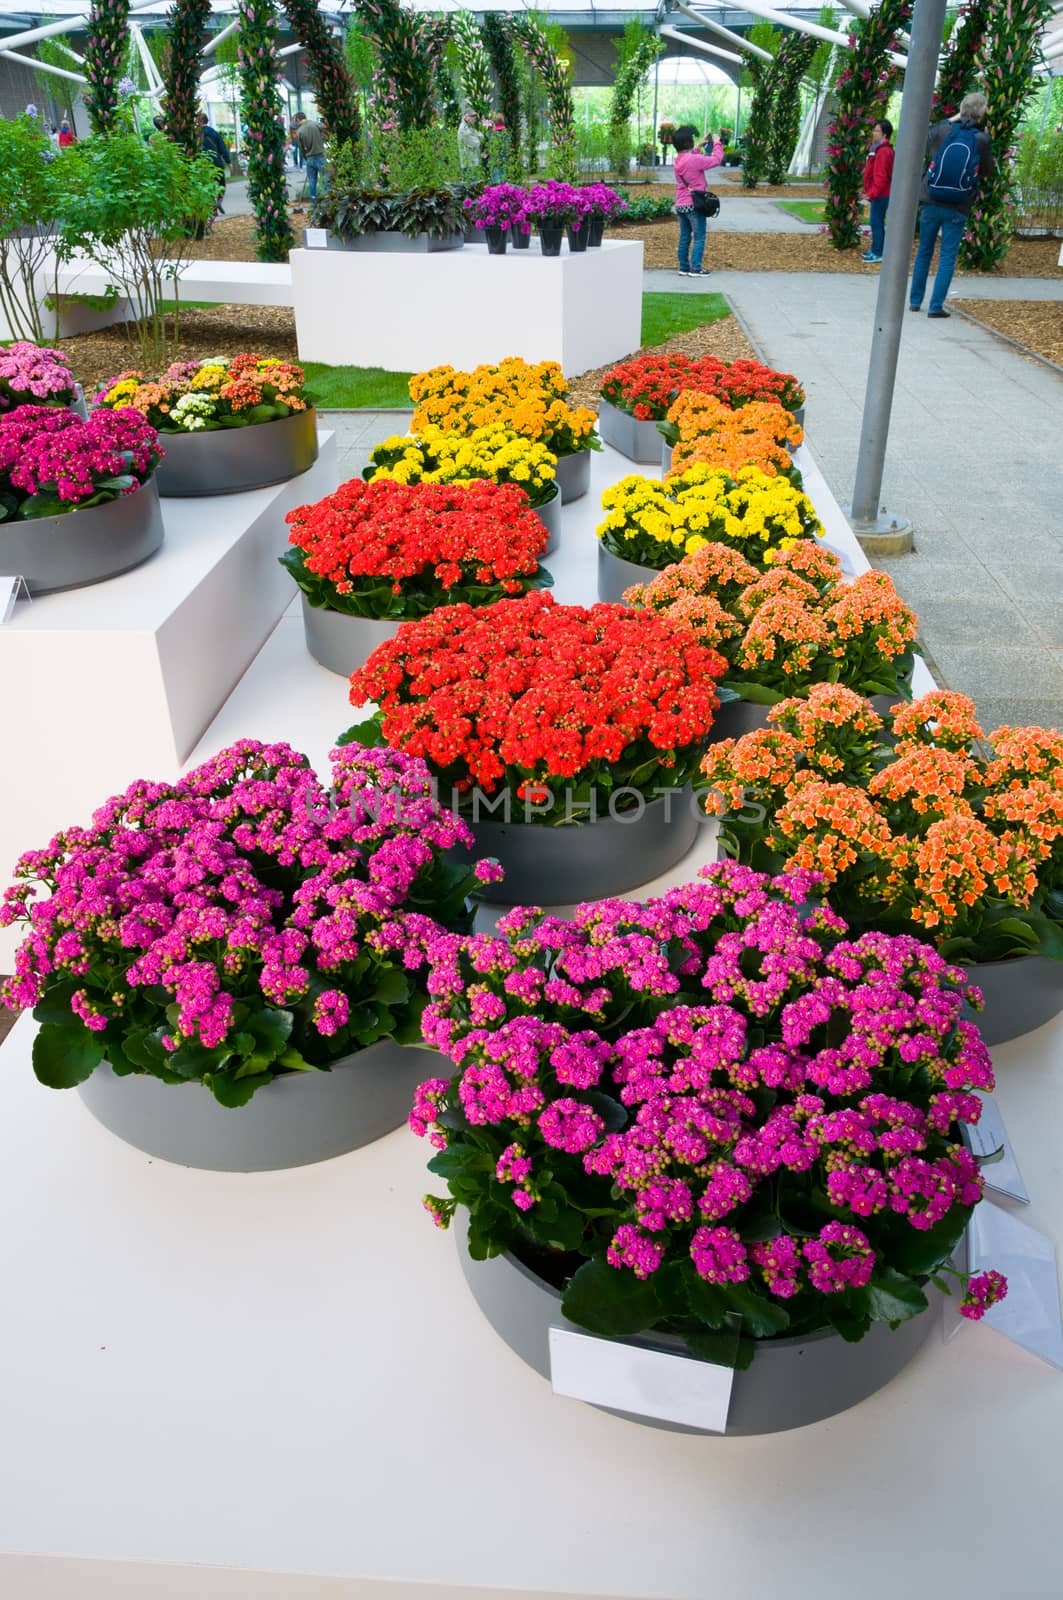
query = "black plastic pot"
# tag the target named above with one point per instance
(497, 240)
(550, 237)
(595, 227)
(519, 239)
(577, 239)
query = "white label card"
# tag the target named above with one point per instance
(988, 1142)
(316, 238)
(11, 589)
(649, 1383)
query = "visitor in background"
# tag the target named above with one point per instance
(67, 136)
(960, 157)
(878, 175)
(470, 147)
(216, 150)
(311, 143)
(690, 168)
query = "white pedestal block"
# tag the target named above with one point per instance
(118, 680)
(462, 307)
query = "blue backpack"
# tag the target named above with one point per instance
(953, 173)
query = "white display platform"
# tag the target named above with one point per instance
(118, 680)
(410, 312)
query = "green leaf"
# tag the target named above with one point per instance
(761, 1317)
(232, 1092)
(610, 1300)
(54, 1004)
(894, 1298)
(63, 1057)
(194, 1060)
(368, 733)
(393, 986)
(271, 1029)
(843, 1320)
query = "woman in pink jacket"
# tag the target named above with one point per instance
(691, 166)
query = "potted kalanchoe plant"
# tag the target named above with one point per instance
(786, 629)
(78, 500)
(717, 1120)
(701, 428)
(530, 398)
(374, 554)
(230, 423)
(649, 524)
(497, 455)
(567, 735)
(921, 824)
(32, 375)
(245, 937)
(497, 212)
(637, 394)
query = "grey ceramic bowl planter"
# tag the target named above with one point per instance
(82, 547)
(549, 514)
(615, 574)
(234, 460)
(342, 643)
(1020, 995)
(639, 441)
(790, 1384)
(574, 475)
(387, 242)
(299, 1118)
(577, 861)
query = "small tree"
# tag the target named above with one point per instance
(30, 177)
(128, 203)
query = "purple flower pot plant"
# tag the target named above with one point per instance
(245, 923)
(711, 1111)
(500, 205)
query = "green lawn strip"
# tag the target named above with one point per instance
(803, 210)
(350, 388)
(170, 306)
(665, 315)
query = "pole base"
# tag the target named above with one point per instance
(886, 535)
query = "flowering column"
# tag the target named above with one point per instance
(328, 71)
(862, 91)
(181, 71)
(108, 30)
(260, 107)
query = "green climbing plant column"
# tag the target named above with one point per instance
(264, 131)
(333, 90)
(181, 71)
(792, 60)
(108, 34)
(862, 90)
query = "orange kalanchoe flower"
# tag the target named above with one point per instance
(940, 717)
(763, 762)
(829, 827)
(925, 781)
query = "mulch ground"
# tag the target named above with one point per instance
(808, 252)
(1035, 324)
(95, 358)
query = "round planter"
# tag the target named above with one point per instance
(799, 416)
(497, 240)
(574, 475)
(299, 1118)
(595, 227)
(790, 1384)
(342, 643)
(519, 239)
(639, 441)
(585, 861)
(615, 574)
(666, 455)
(1020, 995)
(233, 460)
(577, 240)
(549, 514)
(550, 238)
(388, 242)
(83, 547)
(737, 717)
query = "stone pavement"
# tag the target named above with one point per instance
(974, 461)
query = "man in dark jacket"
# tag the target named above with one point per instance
(213, 146)
(960, 157)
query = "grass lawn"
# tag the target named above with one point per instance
(665, 315)
(803, 210)
(346, 388)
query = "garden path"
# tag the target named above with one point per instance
(973, 461)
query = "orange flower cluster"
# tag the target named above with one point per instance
(798, 623)
(936, 831)
(705, 429)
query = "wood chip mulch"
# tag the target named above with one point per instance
(95, 358)
(1035, 324)
(808, 252)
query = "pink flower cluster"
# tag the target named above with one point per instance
(718, 1080)
(44, 450)
(31, 374)
(191, 909)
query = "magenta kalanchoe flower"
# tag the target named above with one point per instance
(31, 374)
(719, 1097)
(243, 921)
(983, 1291)
(48, 451)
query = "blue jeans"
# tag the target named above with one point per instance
(951, 224)
(877, 210)
(315, 166)
(691, 228)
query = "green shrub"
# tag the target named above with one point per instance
(30, 186)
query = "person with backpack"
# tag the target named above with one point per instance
(693, 202)
(960, 156)
(878, 176)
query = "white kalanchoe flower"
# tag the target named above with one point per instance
(194, 411)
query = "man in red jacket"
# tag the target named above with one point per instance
(878, 175)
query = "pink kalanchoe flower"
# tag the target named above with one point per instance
(983, 1291)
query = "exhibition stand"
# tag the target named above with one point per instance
(408, 312)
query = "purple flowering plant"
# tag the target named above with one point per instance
(601, 201)
(557, 204)
(712, 1105)
(31, 375)
(500, 205)
(53, 462)
(243, 922)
